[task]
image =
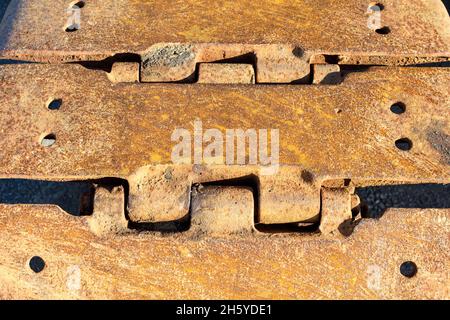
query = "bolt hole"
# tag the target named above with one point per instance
(78, 4)
(298, 52)
(403, 144)
(72, 28)
(377, 4)
(383, 31)
(37, 264)
(55, 104)
(398, 108)
(408, 269)
(48, 140)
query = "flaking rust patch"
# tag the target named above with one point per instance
(168, 62)
(170, 55)
(440, 141)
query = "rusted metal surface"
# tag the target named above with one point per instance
(273, 63)
(210, 229)
(336, 209)
(226, 73)
(365, 265)
(124, 72)
(327, 133)
(419, 29)
(327, 74)
(222, 210)
(109, 217)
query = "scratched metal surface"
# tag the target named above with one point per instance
(67, 195)
(17, 191)
(129, 126)
(80, 265)
(96, 127)
(135, 25)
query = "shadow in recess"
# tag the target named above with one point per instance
(67, 195)
(447, 5)
(6, 21)
(376, 199)
(3, 5)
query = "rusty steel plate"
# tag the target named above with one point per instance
(154, 227)
(106, 129)
(148, 266)
(35, 30)
(327, 133)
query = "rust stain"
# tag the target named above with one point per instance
(119, 124)
(440, 141)
(161, 267)
(136, 25)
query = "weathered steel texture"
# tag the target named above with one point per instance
(109, 216)
(105, 129)
(124, 72)
(327, 74)
(222, 211)
(108, 126)
(336, 209)
(226, 73)
(273, 63)
(327, 133)
(35, 30)
(364, 265)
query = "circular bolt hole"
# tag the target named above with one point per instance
(298, 52)
(403, 144)
(37, 264)
(398, 108)
(408, 269)
(48, 140)
(72, 28)
(78, 4)
(55, 104)
(383, 31)
(377, 4)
